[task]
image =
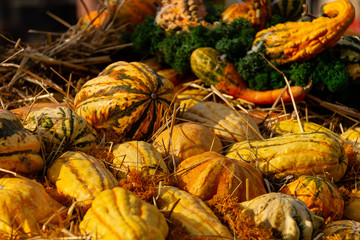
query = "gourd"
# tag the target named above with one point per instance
(288, 215)
(24, 205)
(209, 174)
(206, 64)
(290, 10)
(353, 135)
(192, 96)
(178, 15)
(194, 215)
(20, 149)
(118, 214)
(230, 126)
(185, 140)
(345, 229)
(128, 99)
(321, 196)
(300, 41)
(352, 208)
(80, 176)
(61, 127)
(314, 154)
(138, 155)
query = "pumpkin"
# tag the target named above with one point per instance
(353, 135)
(178, 15)
(61, 127)
(321, 196)
(236, 10)
(185, 140)
(300, 41)
(191, 96)
(22, 112)
(344, 229)
(138, 155)
(284, 213)
(291, 10)
(210, 173)
(314, 154)
(24, 205)
(229, 125)
(206, 64)
(129, 99)
(20, 149)
(348, 49)
(118, 214)
(80, 176)
(193, 214)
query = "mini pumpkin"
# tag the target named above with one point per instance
(128, 99)
(321, 196)
(209, 174)
(80, 176)
(344, 229)
(138, 155)
(24, 206)
(118, 214)
(185, 140)
(20, 149)
(288, 215)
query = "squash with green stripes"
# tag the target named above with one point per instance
(20, 149)
(342, 229)
(129, 99)
(315, 154)
(61, 127)
(290, 10)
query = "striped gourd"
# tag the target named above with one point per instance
(290, 10)
(321, 196)
(20, 149)
(24, 204)
(117, 214)
(138, 155)
(288, 215)
(129, 99)
(194, 215)
(344, 229)
(296, 154)
(230, 126)
(80, 176)
(61, 127)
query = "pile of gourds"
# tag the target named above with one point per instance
(288, 183)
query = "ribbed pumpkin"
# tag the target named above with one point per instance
(20, 149)
(61, 127)
(24, 205)
(230, 126)
(290, 10)
(210, 173)
(138, 155)
(321, 196)
(129, 99)
(300, 41)
(80, 176)
(185, 140)
(314, 154)
(288, 215)
(194, 215)
(344, 229)
(234, 11)
(117, 214)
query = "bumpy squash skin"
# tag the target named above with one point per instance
(321, 196)
(117, 214)
(129, 99)
(314, 154)
(209, 174)
(345, 229)
(23, 204)
(300, 41)
(137, 155)
(20, 149)
(80, 176)
(196, 217)
(288, 215)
